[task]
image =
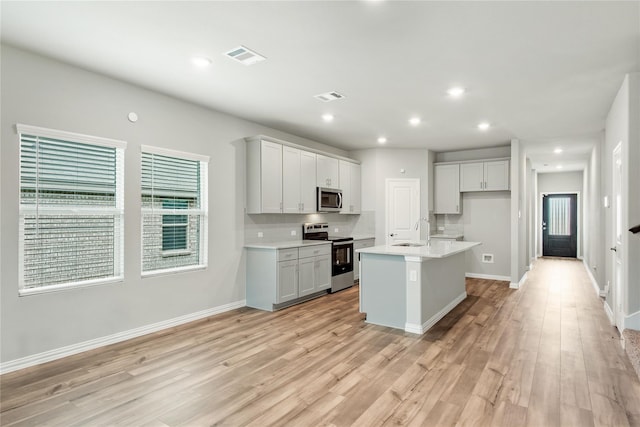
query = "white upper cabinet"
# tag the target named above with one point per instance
(264, 177)
(484, 176)
(299, 181)
(327, 174)
(447, 189)
(496, 175)
(308, 182)
(472, 176)
(350, 184)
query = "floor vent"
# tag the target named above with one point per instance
(329, 96)
(244, 55)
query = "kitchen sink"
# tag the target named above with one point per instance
(408, 244)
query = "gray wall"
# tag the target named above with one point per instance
(42, 92)
(623, 126)
(562, 182)
(485, 218)
(378, 164)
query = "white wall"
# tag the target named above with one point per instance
(562, 182)
(378, 164)
(42, 92)
(623, 126)
(519, 194)
(593, 226)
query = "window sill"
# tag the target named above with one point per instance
(68, 286)
(177, 252)
(168, 271)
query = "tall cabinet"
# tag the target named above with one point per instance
(264, 177)
(350, 184)
(447, 198)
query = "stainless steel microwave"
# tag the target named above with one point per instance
(329, 200)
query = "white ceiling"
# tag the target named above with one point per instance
(543, 72)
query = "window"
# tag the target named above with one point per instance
(175, 228)
(174, 210)
(71, 210)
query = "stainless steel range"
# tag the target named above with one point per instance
(341, 254)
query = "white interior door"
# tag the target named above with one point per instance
(403, 210)
(618, 278)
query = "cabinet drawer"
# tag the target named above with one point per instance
(287, 254)
(309, 251)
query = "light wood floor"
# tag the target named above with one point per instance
(544, 355)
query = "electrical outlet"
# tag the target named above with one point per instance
(294, 232)
(487, 258)
(440, 228)
(260, 234)
(336, 230)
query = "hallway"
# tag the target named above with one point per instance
(544, 355)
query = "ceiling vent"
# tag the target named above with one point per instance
(244, 55)
(329, 96)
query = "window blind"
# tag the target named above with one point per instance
(71, 209)
(174, 210)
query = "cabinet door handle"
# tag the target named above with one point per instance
(481, 185)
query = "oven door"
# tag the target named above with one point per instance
(341, 257)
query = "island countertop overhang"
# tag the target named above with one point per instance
(438, 249)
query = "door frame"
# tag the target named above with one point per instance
(618, 285)
(578, 221)
(387, 182)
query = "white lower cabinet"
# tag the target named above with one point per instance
(314, 272)
(287, 281)
(281, 277)
(359, 244)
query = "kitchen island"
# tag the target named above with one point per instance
(412, 287)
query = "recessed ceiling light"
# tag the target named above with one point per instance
(327, 117)
(456, 92)
(414, 121)
(382, 140)
(558, 150)
(201, 61)
(484, 126)
(559, 167)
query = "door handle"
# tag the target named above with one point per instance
(614, 249)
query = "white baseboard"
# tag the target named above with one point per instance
(609, 313)
(594, 282)
(518, 285)
(58, 353)
(421, 329)
(488, 276)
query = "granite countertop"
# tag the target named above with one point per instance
(363, 236)
(438, 249)
(287, 245)
(447, 236)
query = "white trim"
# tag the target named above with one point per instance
(58, 353)
(67, 286)
(70, 136)
(520, 284)
(488, 276)
(609, 313)
(173, 270)
(421, 329)
(594, 282)
(173, 153)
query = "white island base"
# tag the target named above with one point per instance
(412, 288)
